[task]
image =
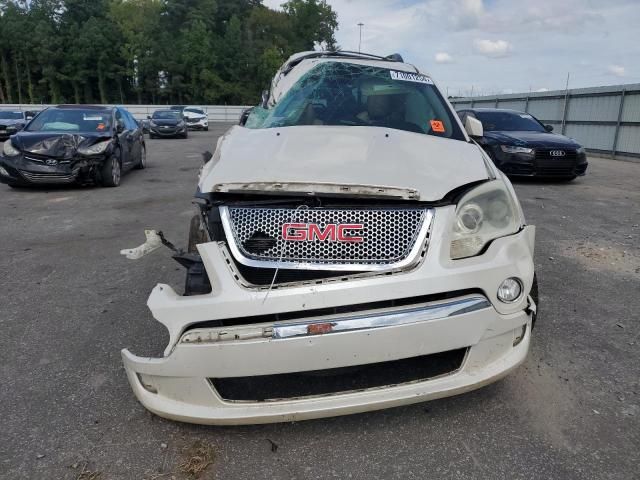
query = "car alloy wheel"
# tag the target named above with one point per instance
(115, 172)
(143, 158)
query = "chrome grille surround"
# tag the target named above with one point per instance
(393, 238)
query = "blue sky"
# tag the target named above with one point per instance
(500, 46)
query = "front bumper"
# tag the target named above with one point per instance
(178, 386)
(517, 165)
(167, 132)
(22, 170)
(199, 124)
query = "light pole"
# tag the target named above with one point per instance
(360, 25)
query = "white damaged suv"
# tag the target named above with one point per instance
(354, 250)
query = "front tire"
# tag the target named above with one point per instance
(111, 171)
(206, 129)
(142, 164)
(197, 234)
(535, 297)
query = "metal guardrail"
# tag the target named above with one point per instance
(606, 120)
(216, 113)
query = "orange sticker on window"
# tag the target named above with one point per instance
(100, 126)
(437, 126)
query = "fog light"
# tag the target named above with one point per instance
(4, 172)
(145, 381)
(520, 335)
(509, 290)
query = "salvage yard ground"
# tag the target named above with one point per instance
(70, 302)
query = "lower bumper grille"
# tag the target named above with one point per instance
(165, 131)
(556, 167)
(338, 380)
(48, 177)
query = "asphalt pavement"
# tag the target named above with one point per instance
(69, 302)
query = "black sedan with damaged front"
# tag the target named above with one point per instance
(521, 146)
(74, 144)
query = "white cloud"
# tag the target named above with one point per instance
(617, 70)
(443, 57)
(550, 37)
(468, 14)
(491, 48)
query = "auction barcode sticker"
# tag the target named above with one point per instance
(411, 77)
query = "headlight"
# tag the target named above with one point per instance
(95, 149)
(152, 123)
(9, 150)
(514, 149)
(485, 213)
(581, 151)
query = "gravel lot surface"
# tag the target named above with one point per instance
(70, 302)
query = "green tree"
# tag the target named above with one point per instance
(186, 51)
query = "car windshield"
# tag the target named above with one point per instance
(71, 120)
(11, 115)
(347, 94)
(166, 115)
(509, 122)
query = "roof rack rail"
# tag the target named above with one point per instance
(395, 57)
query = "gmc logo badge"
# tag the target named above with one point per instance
(308, 232)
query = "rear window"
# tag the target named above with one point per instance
(4, 115)
(346, 94)
(71, 120)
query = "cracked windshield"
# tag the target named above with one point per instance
(348, 94)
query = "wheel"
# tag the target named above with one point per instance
(534, 295)
(185, 135)
(206, 129)
(111, 171)
(569, 179)
(152, 136)
(197, 234)
(143, 158)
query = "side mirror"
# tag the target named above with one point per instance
(265, 99)
(473, 126)
(148, 117)
(244, 116)
(119, 128)
(206, 156)
(548, 128)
